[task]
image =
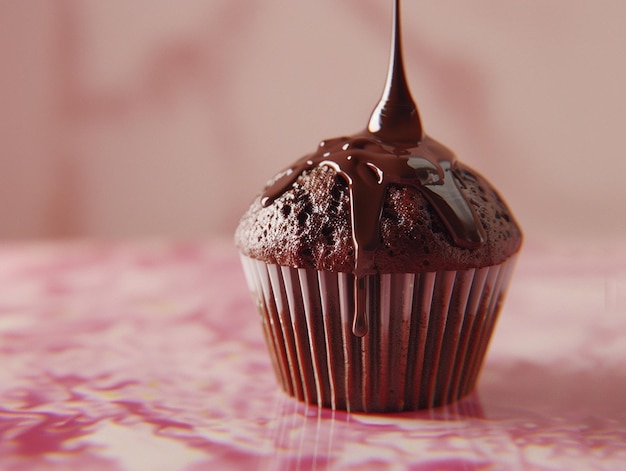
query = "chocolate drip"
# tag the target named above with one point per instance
(359, 318)
(393, 150)
(396, 118)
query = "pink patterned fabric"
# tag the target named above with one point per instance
(149, 356)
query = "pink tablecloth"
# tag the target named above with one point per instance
(149, 356)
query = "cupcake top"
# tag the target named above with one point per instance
(389, 199)
(403, 227)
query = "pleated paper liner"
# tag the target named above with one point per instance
(427, 339)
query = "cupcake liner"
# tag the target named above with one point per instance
(427, 333)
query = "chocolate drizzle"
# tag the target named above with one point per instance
(396, 118)
(393, 150)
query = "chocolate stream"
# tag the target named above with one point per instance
(393, 150)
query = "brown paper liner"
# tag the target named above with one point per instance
(427, 339)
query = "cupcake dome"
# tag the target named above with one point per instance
(309, 226)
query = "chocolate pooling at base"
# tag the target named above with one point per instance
(393, 150)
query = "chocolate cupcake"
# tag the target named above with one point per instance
(379, 264)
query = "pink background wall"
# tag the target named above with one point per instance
(144, 117)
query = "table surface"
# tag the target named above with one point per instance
(148, 355)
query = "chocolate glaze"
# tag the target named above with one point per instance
(393, 150)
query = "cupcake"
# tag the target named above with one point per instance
(378, 264)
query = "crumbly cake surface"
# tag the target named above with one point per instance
(309, 226)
